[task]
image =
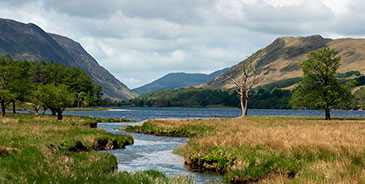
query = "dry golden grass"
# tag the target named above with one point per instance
(288, 134)
(327, 151)
(9, 120)
(280, 134)
(42, 118)
(71, 118)
(66, 118)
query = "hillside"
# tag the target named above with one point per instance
(275, 95)
(177, 80)
(29, 42)
(281, 59)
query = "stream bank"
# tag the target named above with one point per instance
(150, 152)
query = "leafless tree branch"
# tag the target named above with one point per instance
(244, 84)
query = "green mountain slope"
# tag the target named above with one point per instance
(29, 42)
(178, 80)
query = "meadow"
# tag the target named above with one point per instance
(270, 149)
(42, 149)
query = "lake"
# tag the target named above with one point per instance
(152, 113)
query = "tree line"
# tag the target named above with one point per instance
(45, 86)
(206, 97)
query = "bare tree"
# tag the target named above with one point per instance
(244, 84)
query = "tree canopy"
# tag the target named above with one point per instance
(320, 88)
(47, 85)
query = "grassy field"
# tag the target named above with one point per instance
(41, 149)
(271, 149)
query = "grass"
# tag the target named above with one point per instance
(184, 128)
(112, 120)
(273, 149)
(41, 149)
(87, 109)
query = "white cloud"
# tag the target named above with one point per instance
(141, 40)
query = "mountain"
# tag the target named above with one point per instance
(282, 58)
(178, 80)
(29, 42)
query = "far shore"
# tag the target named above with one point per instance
(94, 109)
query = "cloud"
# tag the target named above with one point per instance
(16, 3)
(182, 12)
(300, 18)
(92, 9)
(141, 40)
(349, 21)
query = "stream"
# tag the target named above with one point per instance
(150, 152)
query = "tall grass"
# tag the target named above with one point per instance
(41, 149)
(270, 149)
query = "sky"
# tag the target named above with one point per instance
(139, 41)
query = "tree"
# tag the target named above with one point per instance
(80, 97)
(20, 85)
(359, 101)
(244, 84)
(5, 97)
(320, 87)
(7, 76)
(19, 81)
(38, 72)
(54, 97)
(36, 98)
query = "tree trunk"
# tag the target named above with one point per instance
(53, 112)
(59, 115)
(328, 115)
(2, 108)
(36, 112)
(242, 105)
(246, 106)
(14, 110)
(44, 110)
(36, 109)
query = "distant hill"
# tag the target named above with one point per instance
(281, 59)
(29, 42)
(275, 95)
(178, 80)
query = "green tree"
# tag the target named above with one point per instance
(36, 98)
(98, 94)
(80, 97)
(320, 87)
(38, 72)
(5, 97)
(56, 98)
(7, 76)
(20, 85)
(359, 101)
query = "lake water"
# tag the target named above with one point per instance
(153, 113)
(153, 152)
